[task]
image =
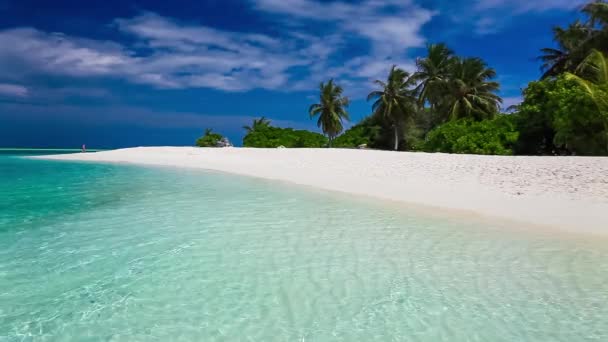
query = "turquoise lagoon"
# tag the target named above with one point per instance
(103, 252)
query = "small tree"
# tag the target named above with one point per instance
(395, 101)
(209, 139)
(257, 124)
(331, 110)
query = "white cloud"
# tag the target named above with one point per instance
(491, 16)
(56, 53)
(161, 32)
(522, 6)
(391, 26)
(487, 25)
(198, 56)
(166, 53)
(511, 101)
(175, 56)
(13, 90)
(229, 65)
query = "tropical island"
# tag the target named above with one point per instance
(451, 104)
(437, 210)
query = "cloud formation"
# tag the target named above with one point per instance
(166, 53)
(352, 42)
(391, 26)
(13, 90)
(523, 6)
(511, 101)
(491, 16)
(27, 50)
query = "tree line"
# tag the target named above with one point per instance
(451, 104)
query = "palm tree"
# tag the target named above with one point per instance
(331, 109)
(470, 91)
(396, 101)
(432, 73)
(592, 75)
(598, 21)
(575, 42)
(257, 124)
(571, 49)
(598, 13)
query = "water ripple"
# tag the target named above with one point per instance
(121, 253)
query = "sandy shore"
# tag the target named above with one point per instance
(568, 193)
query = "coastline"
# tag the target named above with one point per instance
(565, 193)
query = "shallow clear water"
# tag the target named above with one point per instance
(125, 253)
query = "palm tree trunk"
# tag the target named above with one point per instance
(396, 138)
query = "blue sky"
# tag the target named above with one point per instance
(129, 73)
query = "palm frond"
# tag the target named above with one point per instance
(594, 67)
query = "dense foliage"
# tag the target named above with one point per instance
(567, 111)
(262, 134)
(367, 133)
(495, 136)
(559, 117)
(209, 139)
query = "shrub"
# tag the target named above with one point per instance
(558, 116)
(209, 139)
(364, 132)
(270, 137)
(494, 136)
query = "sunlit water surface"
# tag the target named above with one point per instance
(126, 253)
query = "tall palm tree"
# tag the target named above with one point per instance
(575, 42)
(331, 109)
(432, 73)
(471, 93)
(598, 21)
(396, 100)
(571, 49)
(598, 13)
(257, 124)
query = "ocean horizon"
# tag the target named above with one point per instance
(124, 252)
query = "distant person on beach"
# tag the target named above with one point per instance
(84, 148)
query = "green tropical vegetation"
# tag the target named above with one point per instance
(494, 136)
(331, 110)
(558, 116)
(451, 104)
(469, 91)
(576, 42)
(367, 133)
(209, 139)
(262, 134)
(395, 102)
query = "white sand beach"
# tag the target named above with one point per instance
(568, 193)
